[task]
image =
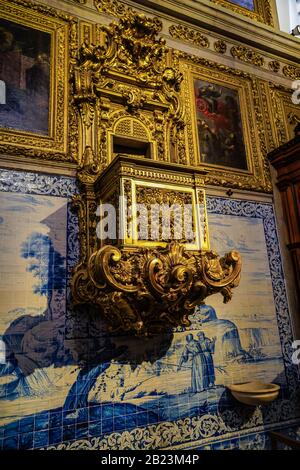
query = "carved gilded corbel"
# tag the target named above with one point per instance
(146, 290)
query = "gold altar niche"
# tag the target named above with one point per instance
(131, 127)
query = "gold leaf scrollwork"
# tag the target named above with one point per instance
(126, 73)
(247, 55)
(146, 290)
(262, 10)
(291, 72)
(220, 46)
(190, 35)
(274, 66)
(112, 7)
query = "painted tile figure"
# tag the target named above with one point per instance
(219, 125)
(207, 347)
(200, 352)
(25, 71)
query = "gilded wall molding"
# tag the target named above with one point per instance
(247, 55)
(148, 290)
(188, 34)
(40, 8)
(274, 66)
(263, 13)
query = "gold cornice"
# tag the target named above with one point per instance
(147, 285)
(146, 169)
(217, 19)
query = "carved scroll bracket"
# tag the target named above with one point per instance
(148, 290)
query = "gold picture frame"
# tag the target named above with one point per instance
(262, 11)
(256, 175)
(48, 25)
(286, 113)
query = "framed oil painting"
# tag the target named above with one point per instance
(224, 129)
(219, 125)
(25, 71)
(256, 9)
(34, 91)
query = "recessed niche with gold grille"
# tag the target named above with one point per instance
(129, 136)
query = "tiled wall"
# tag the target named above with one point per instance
(66, 383)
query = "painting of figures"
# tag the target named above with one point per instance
(24, 78)
(219, 125)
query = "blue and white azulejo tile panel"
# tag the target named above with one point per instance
(66, 383)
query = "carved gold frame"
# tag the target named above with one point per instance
(257, 176)
(201, 233)
(262, 12)
(286, 114)
(63, 31)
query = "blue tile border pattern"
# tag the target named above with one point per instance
(207, 430)
(36, 183)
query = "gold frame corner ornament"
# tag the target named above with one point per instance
(63, 30)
